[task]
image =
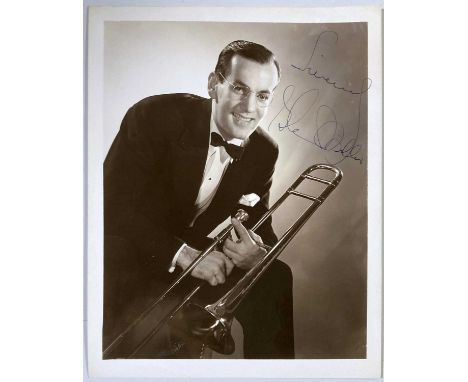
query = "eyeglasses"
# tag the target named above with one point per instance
(241, 92)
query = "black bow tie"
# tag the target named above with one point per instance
(235, 152)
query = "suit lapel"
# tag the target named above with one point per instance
(189, 157)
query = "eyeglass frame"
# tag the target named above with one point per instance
(248, 91)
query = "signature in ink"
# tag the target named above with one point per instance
(305, 100)
(309, 66)
(329, 135)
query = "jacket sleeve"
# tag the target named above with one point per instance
(136, 155)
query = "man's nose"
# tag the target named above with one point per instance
(250, 102)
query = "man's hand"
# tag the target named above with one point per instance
(244, 253)
(214, 268)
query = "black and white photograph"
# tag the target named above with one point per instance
(234, 192)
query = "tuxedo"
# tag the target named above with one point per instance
(152, 175)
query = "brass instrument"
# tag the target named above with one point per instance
(211, 323)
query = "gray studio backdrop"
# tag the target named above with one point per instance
(319, 115)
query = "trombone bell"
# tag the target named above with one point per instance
(213, 331)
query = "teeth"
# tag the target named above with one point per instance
(238, 116)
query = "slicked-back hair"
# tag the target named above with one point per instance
(246, 49)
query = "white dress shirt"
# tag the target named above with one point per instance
(217, 162)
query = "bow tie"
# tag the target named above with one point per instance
(235, 152)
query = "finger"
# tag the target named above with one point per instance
(232, 254)
(219, 266)
(227, 263)
(228, 243)
(214, 261)
(254, 236)
(241, 231)
(213, 280)
(207, 275)
(218, 262)
(209, 268)
(220, 255)
(232, 235)
(198, 274)
(235, 257)
(220, 277)
(229, 266)
(227, 260)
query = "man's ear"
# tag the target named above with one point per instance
(212, 82)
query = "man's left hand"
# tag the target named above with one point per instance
(244, 253)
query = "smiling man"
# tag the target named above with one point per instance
(239, 107)
(179, 166)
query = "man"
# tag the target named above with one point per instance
(179, 166)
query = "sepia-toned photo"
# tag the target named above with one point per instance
(234, 180)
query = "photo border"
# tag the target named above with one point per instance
(312, 368)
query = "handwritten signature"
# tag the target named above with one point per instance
(311, 63)
(304, 98)
(328, 135)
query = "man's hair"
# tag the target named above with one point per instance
(246, 49)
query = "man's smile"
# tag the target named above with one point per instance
(242, 118)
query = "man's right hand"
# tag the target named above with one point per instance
(214, 268)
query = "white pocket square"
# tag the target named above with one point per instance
(249, 200)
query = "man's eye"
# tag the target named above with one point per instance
(238, 89)
(263, 96)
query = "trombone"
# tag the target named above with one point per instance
(211, 322)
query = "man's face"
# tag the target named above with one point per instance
(238, 118)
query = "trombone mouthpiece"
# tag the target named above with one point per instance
(241, 215)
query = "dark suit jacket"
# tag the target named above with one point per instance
(154, 169)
